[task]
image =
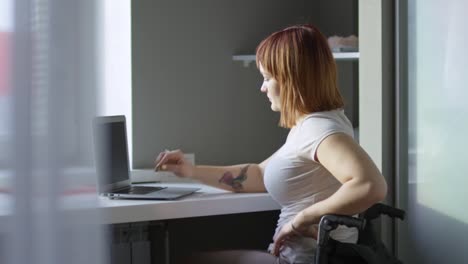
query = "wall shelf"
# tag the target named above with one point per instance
(345, 56)
(339, 56)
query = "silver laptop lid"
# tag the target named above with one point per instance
(111, 153)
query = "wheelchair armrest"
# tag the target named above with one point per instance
(330, 222)
(378, 209)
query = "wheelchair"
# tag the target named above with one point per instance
(367, 250)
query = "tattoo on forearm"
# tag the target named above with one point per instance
(235, 183)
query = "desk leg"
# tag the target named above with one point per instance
(159, 237)
(140, 245)
(166, 243)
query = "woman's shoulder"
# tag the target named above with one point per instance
(315, 127)
(326, 119)
(318, 124)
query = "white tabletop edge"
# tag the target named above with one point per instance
(208, 201)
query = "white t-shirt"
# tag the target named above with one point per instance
(296, 181)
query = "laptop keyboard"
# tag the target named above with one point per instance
(139, 190)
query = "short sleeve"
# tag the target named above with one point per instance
(316, 143)
(316, 128)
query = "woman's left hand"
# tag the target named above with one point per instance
(288, 231)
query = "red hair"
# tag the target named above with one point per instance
(301, 61)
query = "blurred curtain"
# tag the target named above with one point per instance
(48, 82)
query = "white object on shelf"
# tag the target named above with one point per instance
(343, 44)
(246, 59)
(340, 56)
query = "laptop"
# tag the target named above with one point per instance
(112, 164)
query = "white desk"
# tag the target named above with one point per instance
(206, 202)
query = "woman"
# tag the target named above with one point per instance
(319, 170)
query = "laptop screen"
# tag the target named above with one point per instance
(111, 151)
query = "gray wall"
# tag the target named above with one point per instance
(187, 91)
(340, 17)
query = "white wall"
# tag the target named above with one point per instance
(115, 93)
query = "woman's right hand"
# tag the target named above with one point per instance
(175, 162)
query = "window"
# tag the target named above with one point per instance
(6, 34)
